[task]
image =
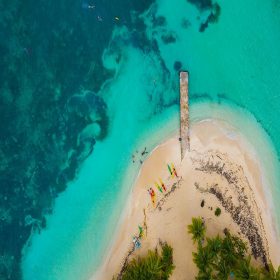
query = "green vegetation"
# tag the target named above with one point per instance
(225, 258)
(273, 274)
(153, 266)
(218, 211)
(197, 229)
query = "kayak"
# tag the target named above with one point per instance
(162, 184)
(174, 170)
(169, 168)
(158, 187)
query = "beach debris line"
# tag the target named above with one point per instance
(145, 222)
(161, 202)
(236, 197)
(165, 195)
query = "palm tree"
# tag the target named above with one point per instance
(149, 267)
(228, 251)
(239, 245)
(245, 271)
(167, 260)
(204, 276)
(214, 245)
(222, 269)
(272, 274)
(197, 229)
(203, 259)
(153, 266)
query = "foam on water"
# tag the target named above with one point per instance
(232, 59)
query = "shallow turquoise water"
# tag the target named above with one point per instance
(233, 62)
(85, 215)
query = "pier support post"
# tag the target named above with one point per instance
(184, 113)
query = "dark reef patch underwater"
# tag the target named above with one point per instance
(51, 117)
(213, 9)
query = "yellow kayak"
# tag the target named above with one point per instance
(158, 187)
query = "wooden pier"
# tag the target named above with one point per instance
(184, 113)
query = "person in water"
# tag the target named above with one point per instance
(144, 151)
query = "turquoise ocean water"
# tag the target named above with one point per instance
(126, 99)
(235, 61)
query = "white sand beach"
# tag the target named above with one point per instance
(222, 169)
